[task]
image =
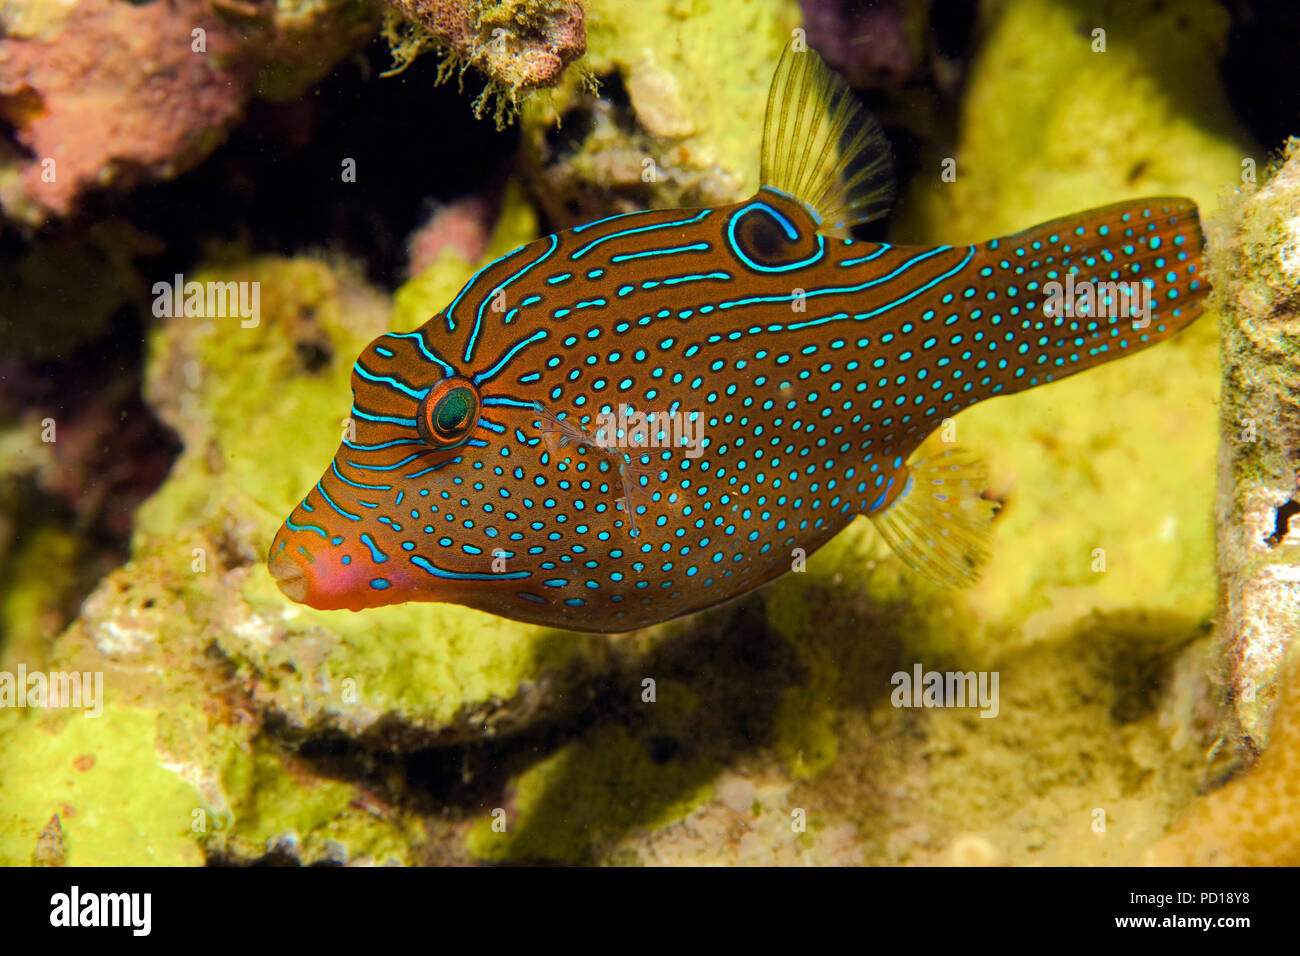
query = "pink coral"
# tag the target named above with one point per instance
(118, 93)
(876, 45)
(464, 225)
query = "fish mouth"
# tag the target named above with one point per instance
(322, 579)
(289, 575)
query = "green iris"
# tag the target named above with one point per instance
(451, 414)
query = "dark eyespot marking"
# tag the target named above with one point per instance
(765, 239)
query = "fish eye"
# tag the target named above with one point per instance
(449, 412)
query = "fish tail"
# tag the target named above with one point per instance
(1075, 292)
(1032, 308)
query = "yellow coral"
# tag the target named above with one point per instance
(1254, 820)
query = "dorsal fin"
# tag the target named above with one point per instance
(822, 147)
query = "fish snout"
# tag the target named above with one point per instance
(327, 577)
(290, 575)
(304, 572)
(290, 564)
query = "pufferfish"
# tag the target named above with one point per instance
(653, 413)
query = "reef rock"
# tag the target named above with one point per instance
(1256, 263)
(519, 45)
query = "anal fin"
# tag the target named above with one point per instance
(939, 525)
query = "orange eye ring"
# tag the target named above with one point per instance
(449, 412)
